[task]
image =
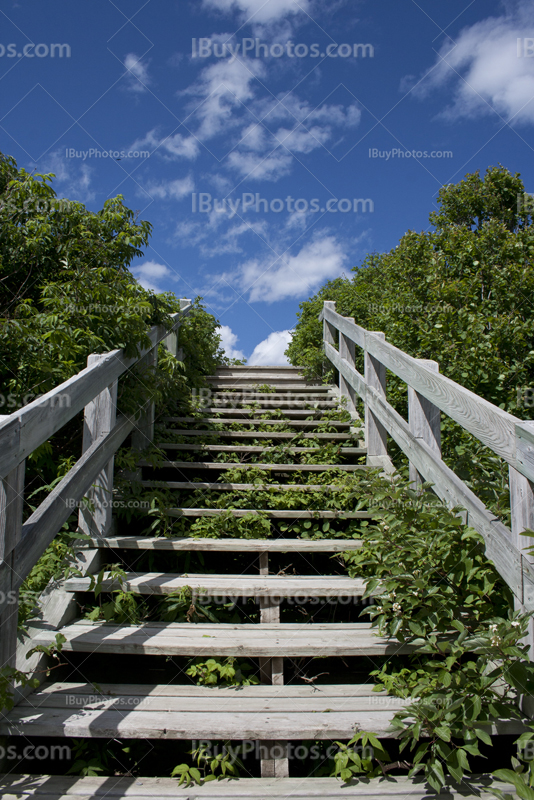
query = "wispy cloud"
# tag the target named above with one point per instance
(485, 71)
(137, 79)
(171, 148)
(260, 11)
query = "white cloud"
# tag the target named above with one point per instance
(151, 273)
(171, 190)
(272, 279)
(485, 70)
(271, 350)
(229, 340)
(72, 179)
(170, 147)
(269, 167)
(225, 86)
(138, 79)
(261, 11)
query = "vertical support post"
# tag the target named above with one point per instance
(328, 328)
(143, 434)
(522, 508)
(99, 418)
(274, 760)
(347, 350)
(11, 506)
(425, 421)
(375, 433)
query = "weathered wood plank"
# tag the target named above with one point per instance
(424, 419)
(22, 432)
(301, 587)
(293, 514)
(59, 787)
(232, 448)
(278, 468)
(375, 378)
(231, 545)
(334, 437)
(295, 424)
(198, 725)
(43, 525)
(99, 418)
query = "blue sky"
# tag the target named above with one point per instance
(357, 111)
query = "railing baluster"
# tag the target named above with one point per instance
(375, 378)
(425, 420)
(99, 418)
(347, 350)
(522, 510)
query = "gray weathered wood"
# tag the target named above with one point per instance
(254, 641)
(60, 787)
(294, 424)
(491, 425)
(277, 468)
(522, 512)
(375, 378)
(301, 587)
(509, 562)
(230, 545)
(11, 506)
(36, 422)
(346, 391)
(345, 325)
(40, 529)
(425, 421)
(232, 448)
(99, 418)
(336, 437)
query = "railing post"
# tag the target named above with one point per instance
(143, 433)
(375, 378)
(99, 418)
(11, 506)
(425, 421)
(329, 335)
(522, 512)
(347, 350)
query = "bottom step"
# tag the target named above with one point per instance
(56, 787)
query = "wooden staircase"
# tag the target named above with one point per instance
(287, 706)
(268, 713)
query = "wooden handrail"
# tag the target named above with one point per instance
(92, 389)
(26, 429)
(506, 435)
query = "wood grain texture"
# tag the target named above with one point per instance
(58, 787)
(230, 545)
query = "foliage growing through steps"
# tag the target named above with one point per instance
(10, 676)
(221, 672)
(438, 590)
(223, 765)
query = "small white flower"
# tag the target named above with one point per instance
(495, 641)
(397, 608)
(493, 629)
(516, 624)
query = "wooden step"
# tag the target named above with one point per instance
(289, 403)
(58, 787)
(253, 641)
(316, 413)
(301, 388)
(166, 698)
(277, 587)
(279, 469)
(216, 545)
(232, 448)
(295, 424)
(333, 437)
(269, 513)
(272, 488)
